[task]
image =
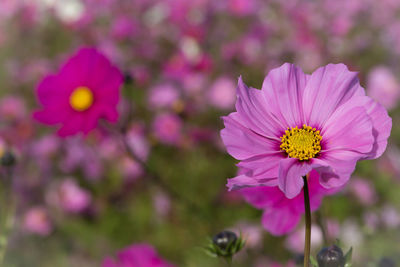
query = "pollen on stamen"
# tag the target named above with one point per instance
(81, 98)
(303, 143)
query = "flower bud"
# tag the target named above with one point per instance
(8, 159)
(128, 78)
(224, 239)
(225, 244)
(331, 257)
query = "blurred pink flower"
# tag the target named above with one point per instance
(167, 128)
(123, 27)
(298, 123)
(79, 155)
(383, 86)
(295, 241)
(371, 220)
(281, 215)
(131, 170)
(138, 142)
(73, 198)
(242, 7)
(36, 220)
(390, 217)
(139, 255)
(253, 234)
(363, 190)
(45, 146)
(222, 93)
(163, 96)
(161, 203)
(12, 108)
(85, 90)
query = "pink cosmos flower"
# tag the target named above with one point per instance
(298, 122)
(85, 90)
(281, 214)
(139, 255)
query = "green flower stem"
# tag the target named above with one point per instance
(307, 243)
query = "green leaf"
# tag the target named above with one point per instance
(314, 262)
(348, 257)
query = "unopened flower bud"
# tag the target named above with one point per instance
(331, 257)
(225, 244)
(224, 239)
(8, 159)
(128, 79)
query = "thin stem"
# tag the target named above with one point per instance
(307, 240)
(229, 261)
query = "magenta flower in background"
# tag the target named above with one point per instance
(281, 215)
(383, 86)
(298, 122)
(139, 255)
(86, 89)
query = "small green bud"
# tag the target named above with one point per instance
(225, 244)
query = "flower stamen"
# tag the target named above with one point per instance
(81, 98)
(303, 143)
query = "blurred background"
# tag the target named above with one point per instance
(82, 199)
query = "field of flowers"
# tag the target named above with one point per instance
(131, 133)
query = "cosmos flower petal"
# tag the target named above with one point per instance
(47, 115)
(280, 221)
(48, 91)
(283, 89)
(106, 92)
(242, 181)
(327, 89)
(382, 125)
(341, 165)
(349, 128)
(72, 125)
(75, 72)
(111, 114)
(241, 142)
(253, 108)
(290, 176)
(263, 196)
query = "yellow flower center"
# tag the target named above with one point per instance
(303, 143)
(81, 98)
